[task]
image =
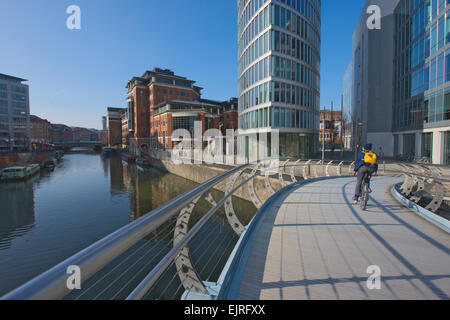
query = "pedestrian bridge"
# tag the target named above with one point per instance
(306, 241)
(68, 145)
(310, 242)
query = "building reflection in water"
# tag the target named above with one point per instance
(17, 210)
(151, 188)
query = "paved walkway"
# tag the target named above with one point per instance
(313, 244)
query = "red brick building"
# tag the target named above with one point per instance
(330, 126)
(40, 129)
(160, 102)
(81, 134)
(115, 126)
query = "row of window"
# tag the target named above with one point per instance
(280, 92)
(293, 23)
(427, 12)
(279, 67)
(4, 87)
(435, 107)
(182, 93)
(430, 42)
(285, 44)
(13, 112)
(15, 104)
(258, 48)
(276, 117)
(4, 95)
(281, 43)
(429, 76)
(282, 18)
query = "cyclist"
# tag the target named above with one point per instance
(365, 166)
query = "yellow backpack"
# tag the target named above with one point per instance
(370, 157)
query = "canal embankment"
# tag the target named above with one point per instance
(200, 173)
(24, 158)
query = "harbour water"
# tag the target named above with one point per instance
(56, 214)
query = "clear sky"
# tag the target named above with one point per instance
(74, 75)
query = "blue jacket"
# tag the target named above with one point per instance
(360, 161)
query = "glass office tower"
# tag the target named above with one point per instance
(279, 74)
(421, 113)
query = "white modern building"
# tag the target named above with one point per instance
(15, 133)
(421, 117)
(279, 76)
(401, 80)
(372, 72)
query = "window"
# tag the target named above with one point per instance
(3, 111)
(4, 103)
(186, 123)
(441, 34)
(3, 95)
(19, 113)
(3, 87)
(4, 119)
(18, 89)
(18, 97)
(447, 106)
(440, 70)
(447, 66)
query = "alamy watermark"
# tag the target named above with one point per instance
(73, 22)
(374, 20)
(74, 280)
(374, 280)
(234, 148)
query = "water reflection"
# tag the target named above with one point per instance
(46, 220)
(17, 218)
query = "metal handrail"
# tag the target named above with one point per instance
(51, 285)
(139, 292)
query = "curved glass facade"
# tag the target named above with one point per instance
(279, 71)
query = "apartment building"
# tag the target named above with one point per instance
(279, 75)
(15, 133)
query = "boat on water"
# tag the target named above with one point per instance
(49, 165)
(19, 172)
(108, 151)
(58, 155)
(143, 162)
(128, 157)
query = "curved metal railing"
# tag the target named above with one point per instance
(158, 256)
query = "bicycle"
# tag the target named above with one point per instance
(364, 198)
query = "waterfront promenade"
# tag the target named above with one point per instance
(312, 243)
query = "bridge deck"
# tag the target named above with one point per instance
(313, 244)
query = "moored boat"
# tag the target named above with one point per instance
(143, 162)
(58, 155)
(19, 172)
(49, 165)
(32, 169)
(108, 151)
(128, 157)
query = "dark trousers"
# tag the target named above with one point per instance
(364, 174)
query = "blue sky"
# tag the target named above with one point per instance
(74, 75)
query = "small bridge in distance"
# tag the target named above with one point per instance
(68, 145)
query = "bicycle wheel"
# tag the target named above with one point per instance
(364, 197)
